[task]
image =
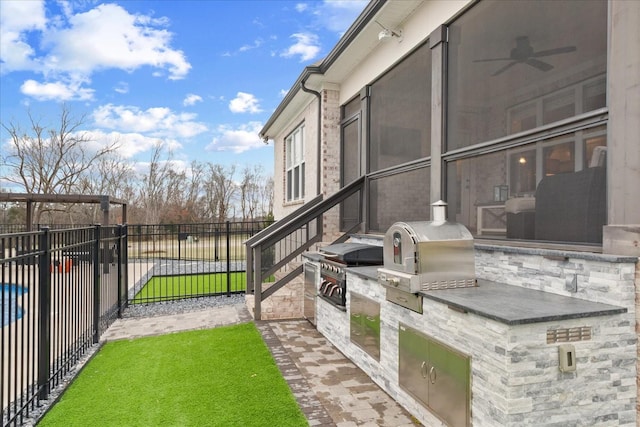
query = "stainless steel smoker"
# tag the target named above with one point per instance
(428, 255)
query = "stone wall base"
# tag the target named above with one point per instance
(286, 303)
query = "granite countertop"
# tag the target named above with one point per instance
(512, 305)
(367, 271)
(515, 305)
(313, 256)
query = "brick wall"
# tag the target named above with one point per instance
(330, 153)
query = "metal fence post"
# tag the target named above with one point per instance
(44, 313)
(96, 284)
(257, 274)
(216, 241)
(124, 259)
(228, 258)
(249, 268)
(119, 271)
(179, 243)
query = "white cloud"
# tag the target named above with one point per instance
(17, 19)
(71, 47)
(157, 122)
(58, 91)
(109, 37)
(237, 140)
(244, 103)
(122, 87)
(191, 99)
(283, 93)
(129, 144)
(306, 45)
(256, 44)
(301, 7)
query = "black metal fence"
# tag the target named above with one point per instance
(61, 289)
(179, 261)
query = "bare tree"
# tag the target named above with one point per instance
(254, 187)
(111, 175)
(266, 197)
(219, 190)
(50, 160)
(153, 194)
(194, 191)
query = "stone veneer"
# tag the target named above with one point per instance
(285, 303)
(515, 375)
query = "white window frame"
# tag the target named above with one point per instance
(294, 165)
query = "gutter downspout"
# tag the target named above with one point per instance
(317, 94)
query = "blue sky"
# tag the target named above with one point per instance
(202, 76)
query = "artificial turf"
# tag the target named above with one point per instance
(165, 288)
(216, 377)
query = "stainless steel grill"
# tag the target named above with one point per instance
(337, 257)
(428, 255)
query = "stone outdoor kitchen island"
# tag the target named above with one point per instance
(542, 348)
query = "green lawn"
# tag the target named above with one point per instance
(217, 377)
(165, 288)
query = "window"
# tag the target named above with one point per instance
(514, 66)
(399, 196)
(557, 190)
(523, 159)
(400, 112)
(294, 155)
(350, 161)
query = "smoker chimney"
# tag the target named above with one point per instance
(439, 211)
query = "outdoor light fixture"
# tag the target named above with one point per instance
(386, 33)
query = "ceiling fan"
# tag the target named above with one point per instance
(523, 53)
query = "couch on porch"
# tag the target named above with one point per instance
(569, 207)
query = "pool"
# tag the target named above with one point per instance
(9, 300)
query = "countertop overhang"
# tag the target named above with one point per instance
(512, 305)
(515, 305)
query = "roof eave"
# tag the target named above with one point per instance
(349, 36)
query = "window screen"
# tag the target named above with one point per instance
(400, 112)
(517, 65)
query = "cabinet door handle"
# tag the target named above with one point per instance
(433, 375)
(423, 370)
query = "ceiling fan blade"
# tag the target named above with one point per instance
(505, 68)
(492, 59)
(542, 66)
(555, 51)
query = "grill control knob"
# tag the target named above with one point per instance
(393, 281)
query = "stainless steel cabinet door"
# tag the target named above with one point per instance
(365, 324)
(413, 364)
(449, 388)
(310, 292)
(436, 375)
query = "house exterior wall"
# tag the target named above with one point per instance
(330, 152)
(624, 113)
(287, 302)
(415, 30)
(308, 117)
